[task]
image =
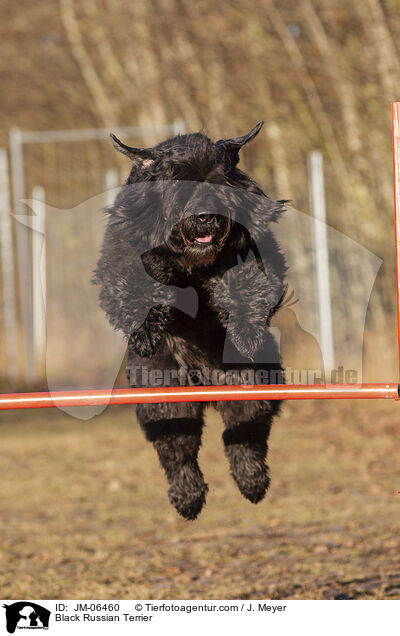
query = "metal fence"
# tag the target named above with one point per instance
(50, 321)
(62, 169)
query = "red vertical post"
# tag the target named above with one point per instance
(396, 188)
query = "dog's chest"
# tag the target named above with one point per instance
(202, 331)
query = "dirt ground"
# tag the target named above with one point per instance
(85, 511)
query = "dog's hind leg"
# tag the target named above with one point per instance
(175, 431)
(247, 430)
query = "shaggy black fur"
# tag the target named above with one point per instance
(188, 219)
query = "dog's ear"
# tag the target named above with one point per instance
(144, 156)
(237, 142)
(232, 146)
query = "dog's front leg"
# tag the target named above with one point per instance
(137, 304)
(147, 338)
(246, 296)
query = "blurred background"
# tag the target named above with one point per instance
(322, 75)
(85, 507)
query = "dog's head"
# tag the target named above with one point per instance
(188, 193)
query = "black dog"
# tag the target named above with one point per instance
(188, 220)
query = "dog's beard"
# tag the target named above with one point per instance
(196, 256)
(201, 242)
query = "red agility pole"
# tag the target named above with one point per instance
(396, 190)
(199, 394)
(242, 392)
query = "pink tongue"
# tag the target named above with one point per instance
(204, 239)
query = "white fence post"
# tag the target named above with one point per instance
(23, 248)
(111, 181)
(317, 198)
(18, 141)
(7, 266)
(179, 127)
(39, 278)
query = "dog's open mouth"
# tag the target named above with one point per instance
(204, 235)
(204, 240)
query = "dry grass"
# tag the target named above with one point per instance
(85, 512)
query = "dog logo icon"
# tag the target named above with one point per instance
(26, 615)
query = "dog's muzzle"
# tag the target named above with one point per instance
(204, 229)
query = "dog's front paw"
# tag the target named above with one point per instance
(247, 295)
(247, 339)
(146, 340)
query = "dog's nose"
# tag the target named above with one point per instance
(205, 218)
